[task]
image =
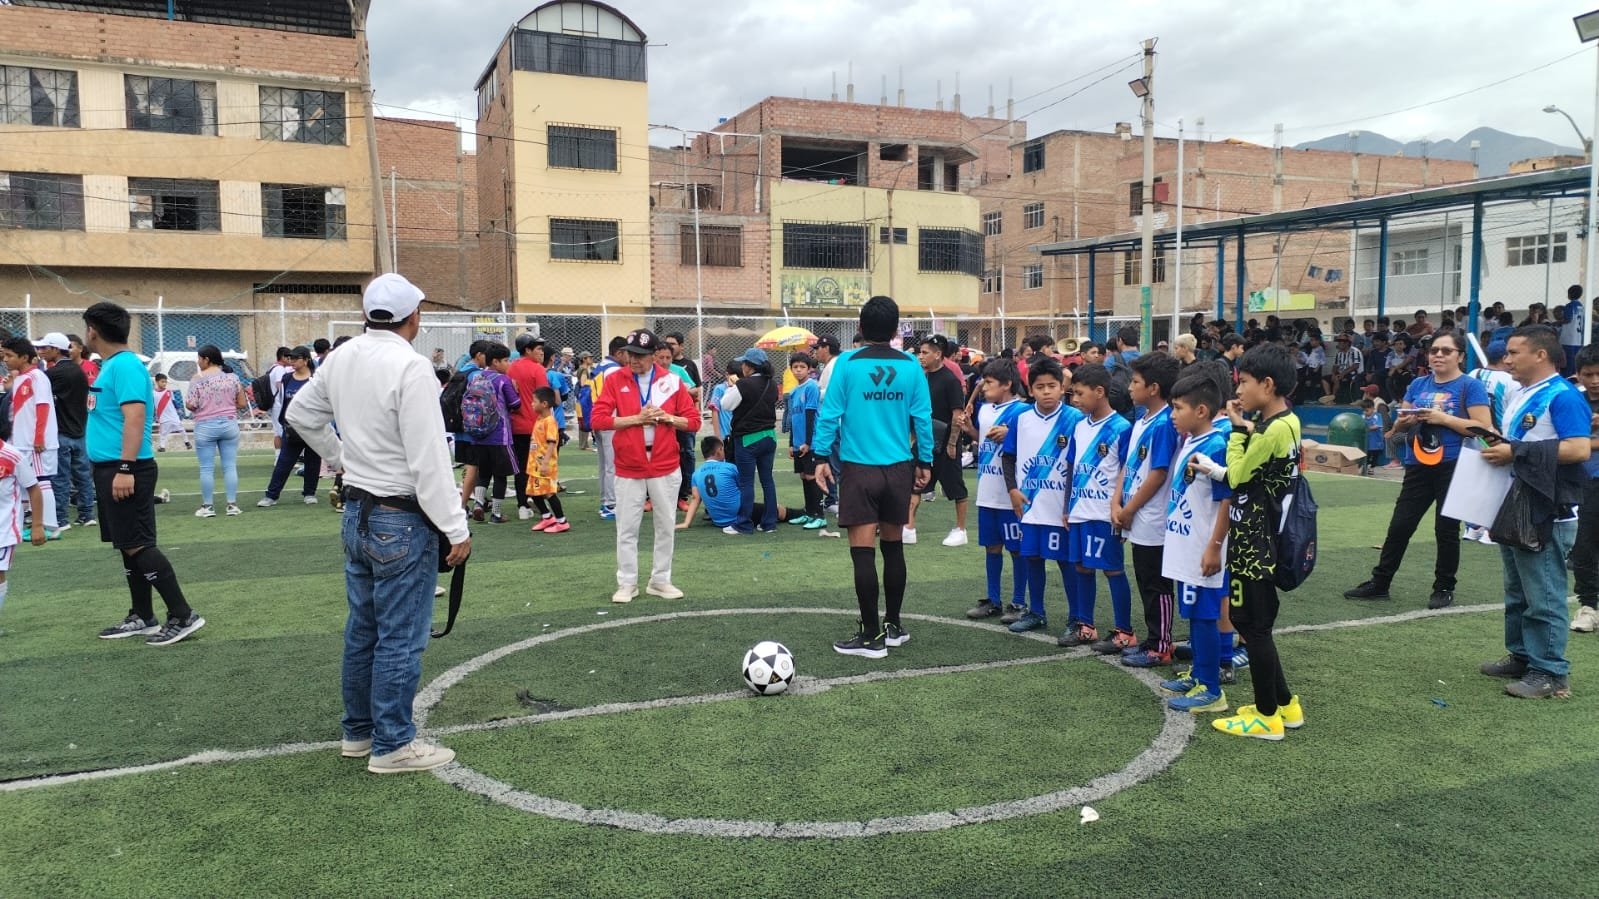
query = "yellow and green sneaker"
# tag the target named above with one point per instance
(1249, 722)
(1293, 714)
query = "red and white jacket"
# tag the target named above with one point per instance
(620, 398)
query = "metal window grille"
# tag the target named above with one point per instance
(567, 54)
(829, 246)
(1033, 156)
(36, 202)
(45, 97)
(1033, 276)
(1133, 262)
(313, 213)
(1033, 215)
(170, 204)
(298, 116)
(900, 236)
(171, 105)
(719, 245)
(949, 250)
(580, 147)
(993, 223)
(585, 240)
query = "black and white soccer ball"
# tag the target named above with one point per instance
(768, 668)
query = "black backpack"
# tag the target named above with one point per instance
(450, 402)
(1120, 399)
(261, 392)
(1296, 534)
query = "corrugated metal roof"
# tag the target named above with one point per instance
(330, 17)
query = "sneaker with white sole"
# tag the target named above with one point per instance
(908, 536)
(131, 626)
(165, 496)
(266, 502)
(957, 537)
(205, 512)
(413, 756)
(310, 500)
(664, 591)
(355, 749)
(176, 629)
(624, 594)
(1586, 620)
(233, 509)
(523, 513)
(438, 590)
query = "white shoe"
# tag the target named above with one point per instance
(1484, 539)
(957, 537)
(1473, 533)
(731, 531)
(909, 537)
(64, 528)
(438, 590)
(664, 591)
(165, 496)
(523, 513)
(310, 500)
(205, 512)
(233, 509)
(413, 756)
(624, 594)
(1587, 620)
(355, 749)
(266, 503)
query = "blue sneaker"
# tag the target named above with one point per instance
(1181, 684)
(800, 520)
(1241, 657)
(1199, 699)
(1028, 622)
(607, 513)
(815, 524)
(1146, 658)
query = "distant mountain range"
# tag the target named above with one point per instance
(1497, 151)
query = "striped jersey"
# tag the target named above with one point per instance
(33, 411)
(15, 479)
(991, 492)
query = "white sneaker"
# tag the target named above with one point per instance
(355, 749)
(205, 512)
(165, 496)
(523, 513)
(909, 537)
(233, 509)
(624, 594)
(1473, 533)
(731, 531)
(1484, 539)
(664, 591)
(64, 528)
(310, 500)
(1587, 620)
(413, 756)
(266, 503)
(957, 537)
(438, 590)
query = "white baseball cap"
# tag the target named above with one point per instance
(390, 297)
(54, 340)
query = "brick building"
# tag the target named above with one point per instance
(431, 186)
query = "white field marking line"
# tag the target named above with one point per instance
(207, 757)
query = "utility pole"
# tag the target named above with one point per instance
(380, 232)
(1146, 268)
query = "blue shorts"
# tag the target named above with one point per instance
(1095, 544)
(1044, 541)
(1203, 603)
(999, 526)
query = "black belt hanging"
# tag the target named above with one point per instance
(366, 501)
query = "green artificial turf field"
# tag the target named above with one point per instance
(1414, 775)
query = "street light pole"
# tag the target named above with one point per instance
(1587, 26)
(1587, 143)
(1146, 268)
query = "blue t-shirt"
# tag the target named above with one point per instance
(1374, 431)
(562, 385)
(717, 483)
(122, 380)
(724, 416)
(1452, 398)
(806, 396)
(876, 399)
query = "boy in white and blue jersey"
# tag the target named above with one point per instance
(998, 529)
(1038, 475)
(1098, 446)
(1139, 510)
(1196, 544)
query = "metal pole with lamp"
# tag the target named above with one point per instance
(1587, 156)
(1144, 89)
(1587, 26)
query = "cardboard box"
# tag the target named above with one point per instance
(1333, 459)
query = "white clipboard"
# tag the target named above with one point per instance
(1477, 489)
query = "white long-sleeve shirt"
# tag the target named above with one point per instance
(385, 398)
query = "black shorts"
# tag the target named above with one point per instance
(465, 453)
(492, 460)
(129, 524)
(875, 494)
(947, 475)
(805, 465)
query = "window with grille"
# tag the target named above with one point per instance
(824, 246)
(305, 117)
(1033, 156)
(36, 202)
(47, 97)
(993, 223)
(1033, 215)
(292, 210)
(571, 54)
(171, 105)
(585, 240)
(900, 236)
(1133, 262)
(579, 147)
(1033, 276)
(1409, 262)
(718, 245)
(171, 204)
(1536, 249)
(950, 250)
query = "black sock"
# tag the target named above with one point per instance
(813, 499)
(539, 504)
(158, 572)
(555, 506)
(139, 589)
(893, 579)
(865, 561)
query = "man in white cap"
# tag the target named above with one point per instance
(399, 495)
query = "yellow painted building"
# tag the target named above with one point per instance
(563, 169)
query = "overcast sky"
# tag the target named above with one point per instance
(1318, 68)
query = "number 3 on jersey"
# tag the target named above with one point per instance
(1236, 599)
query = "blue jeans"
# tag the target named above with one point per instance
(213, 436)
(751, 459)
(390, 569)
(75, 473)
(1536, 616)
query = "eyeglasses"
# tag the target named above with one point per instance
(1442, 350)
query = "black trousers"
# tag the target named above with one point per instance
(1585, 552)
(520, 444)
(1424, 485)
(1253, 610)
(685, 461)
(1158, 596)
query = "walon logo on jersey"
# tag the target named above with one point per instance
(883, 378)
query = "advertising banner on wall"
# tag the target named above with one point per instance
(825, 289)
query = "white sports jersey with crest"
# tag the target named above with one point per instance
(1150, 446)
(15, 479)
(1098, 448)
(991, 492)
(1043, 462)
(1192, 504)
(30, 399)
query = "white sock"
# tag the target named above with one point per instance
(3, 585)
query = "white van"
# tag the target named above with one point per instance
(181, 367)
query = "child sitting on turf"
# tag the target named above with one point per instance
(1139, 509)
(1262, 462)
(1036, 445)
(167, 419)
(716, 485)
(543, 464)
(15, 477)
(1374, 439)
(1196, 543)
(997, 526)
(804, 401)
(1098, 447)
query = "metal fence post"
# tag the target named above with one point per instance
(27, 313)
(160, 325)
(283, 322)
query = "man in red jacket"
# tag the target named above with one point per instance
(645, 407)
